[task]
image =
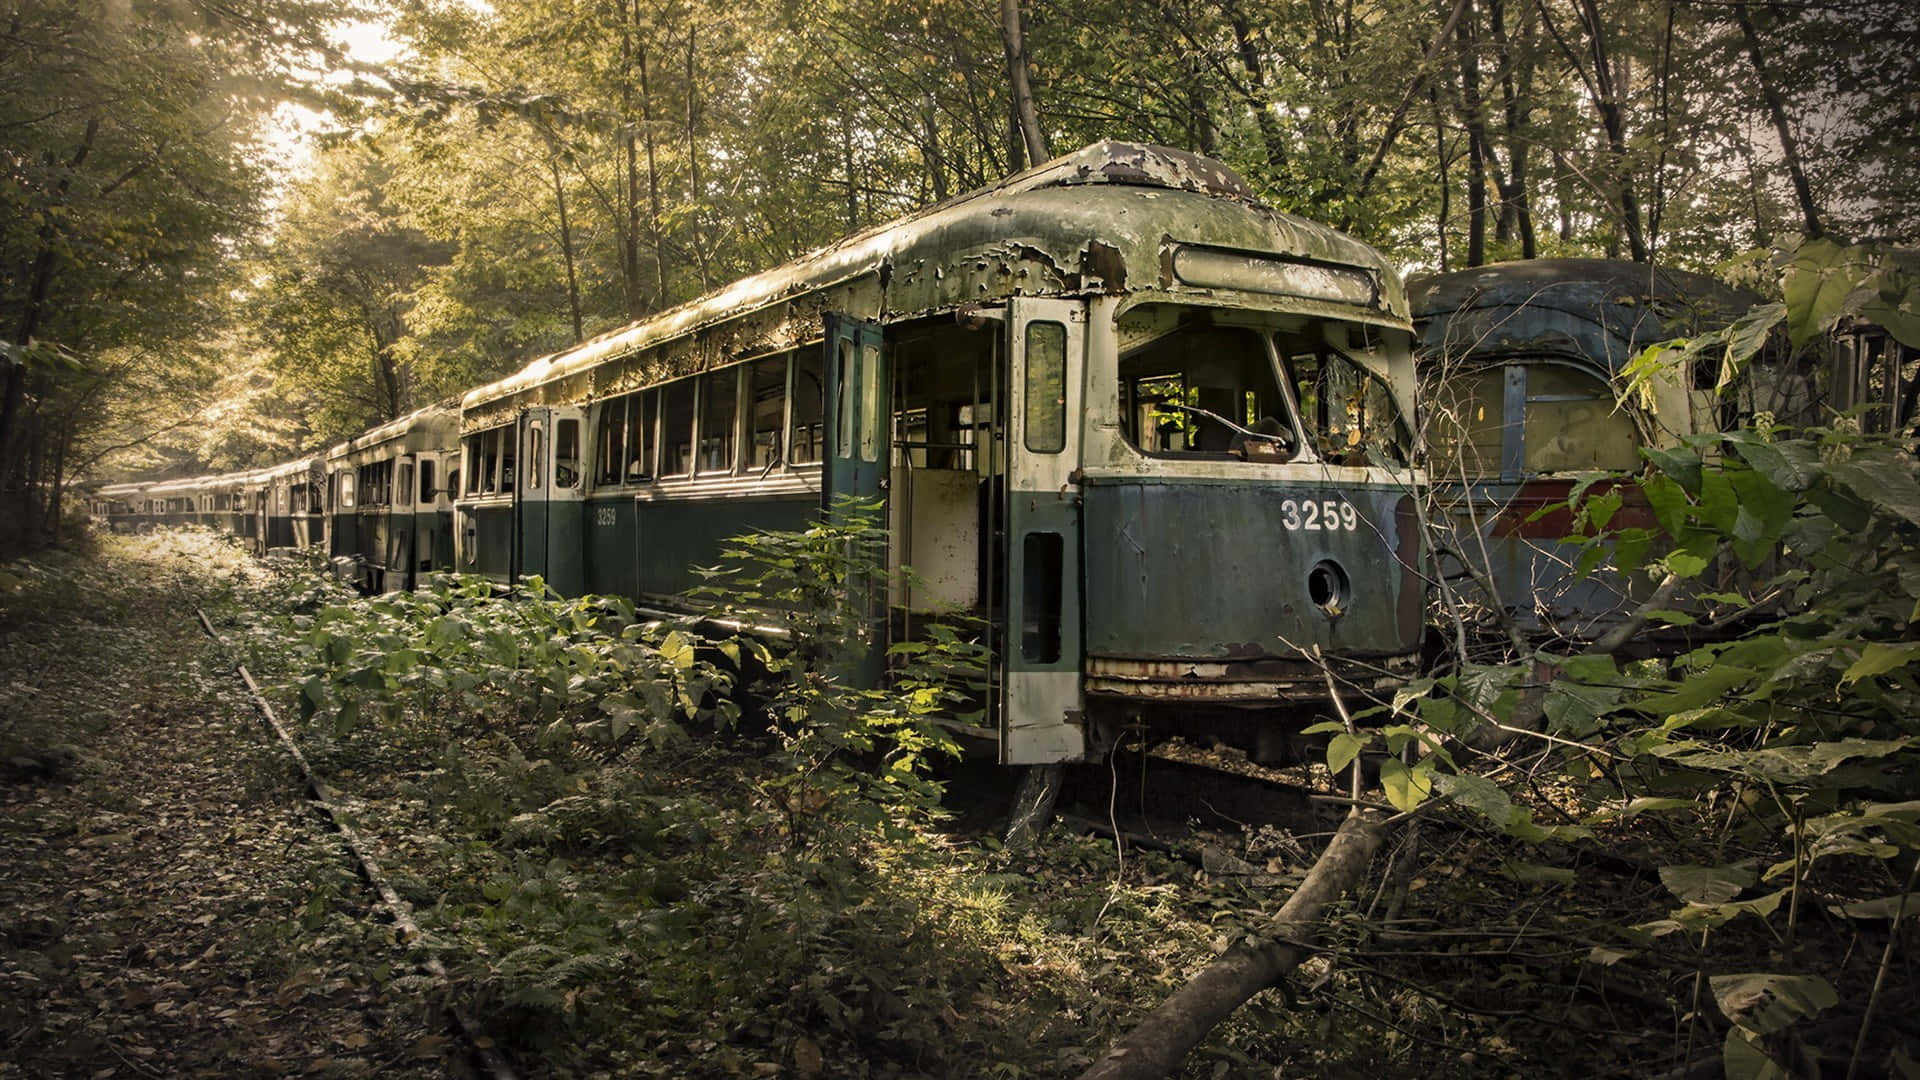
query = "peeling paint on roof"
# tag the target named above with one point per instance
(1101, 221)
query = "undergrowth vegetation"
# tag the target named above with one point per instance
(660, 847)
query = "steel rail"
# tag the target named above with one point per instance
(321, 795)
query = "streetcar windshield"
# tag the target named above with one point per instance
(1347, 410)
(1192, 386)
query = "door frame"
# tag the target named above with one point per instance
(1043, 704)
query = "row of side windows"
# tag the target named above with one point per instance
(747, 418)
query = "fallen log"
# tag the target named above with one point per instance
(1160, 1041)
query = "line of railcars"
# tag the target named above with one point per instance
(1153, 434)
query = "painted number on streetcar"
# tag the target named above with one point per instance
(603, 515)
(1319, 514)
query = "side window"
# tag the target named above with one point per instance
(612, 433)
(719, 406)
(1571, 423)
(1467, 430)
(809, 406)
(873, 411)
(843, 383)
(566, 453)
(506, 439)
(426, 480)
(1046, 388)
(767, 397)
(642, 422)
(536, 454)
(676, 427)
(403, 486)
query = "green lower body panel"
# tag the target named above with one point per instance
(640, 548)
(1216, 593)
(565, 571)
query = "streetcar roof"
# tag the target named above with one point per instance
(1110, 218)
(1602, 311)
(434, 424)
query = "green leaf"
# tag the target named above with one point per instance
(1764, 1003)
(1606, 957)
(1668, 499)
(1342, 750)
(1538, 874)
(1684, 564)
(1790, 467)
(1878, 659)
(1743, 1059)
(676, 651)
(1602, 507)
(1719, 503)
(1477, 793)
(1885, 907)
(1885, 483)
(1784, 764)
(1679, 464)
(1707, 884)
(1406, 788)
(1816, 284)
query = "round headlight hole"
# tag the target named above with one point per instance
(1328, 587)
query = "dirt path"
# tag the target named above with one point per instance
(168, 905)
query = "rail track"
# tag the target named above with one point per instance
(481, 1048)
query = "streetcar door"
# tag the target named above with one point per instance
(402, 529)
(1041, 714)
(531, 491)
(858, 452)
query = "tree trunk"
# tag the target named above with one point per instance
(662, 298)
(1163, 1039)
(1440, 161)
(1398, 121)
(1032, 138)
(1249, 53)
(930, 150)
(629, 228)
(39, 288)
(1610, 101)
(1476, 143)
(57, 495)
(701, 257)
(1516, 205)
(1789, 149)
(566, 252)
(1032, 804)
(853, 179)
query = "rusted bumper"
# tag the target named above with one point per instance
(1265, 681)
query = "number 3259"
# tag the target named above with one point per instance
(1323, 514)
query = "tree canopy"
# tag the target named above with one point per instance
(525, 175)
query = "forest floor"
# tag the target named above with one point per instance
(171, 905)
(154, 853)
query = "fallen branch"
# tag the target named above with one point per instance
(1158, 1043)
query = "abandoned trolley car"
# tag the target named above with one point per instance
(1152, 431)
